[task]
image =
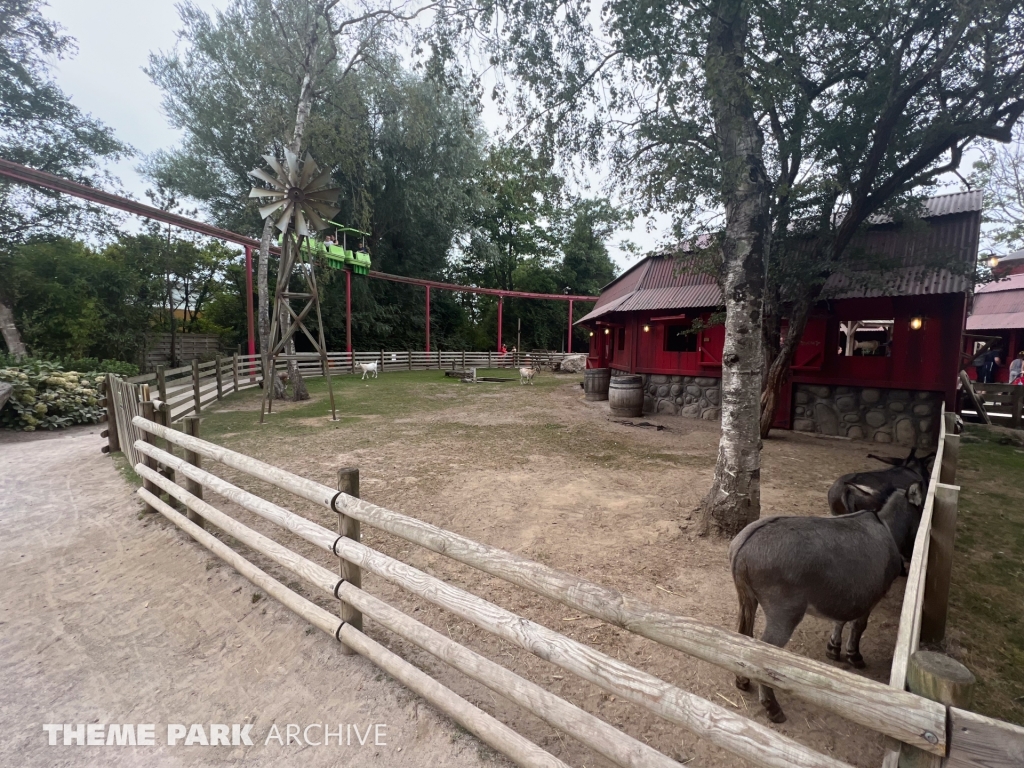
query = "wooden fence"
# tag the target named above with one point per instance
(930, 730)
(187, 347)
(1003, 403)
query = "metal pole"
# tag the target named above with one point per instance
(428, 318)
(248, 299)
(348, 311)
(501, 300)
(569, 345)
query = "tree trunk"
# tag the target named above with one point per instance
(12, 338)
(779, 368)
(263, 296)
(735, 496)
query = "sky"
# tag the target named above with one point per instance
(105, 79)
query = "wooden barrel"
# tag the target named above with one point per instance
(595, 383)
(626, 396)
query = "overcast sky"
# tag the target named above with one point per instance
(106, 79)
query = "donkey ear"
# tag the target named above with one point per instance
(915, 495)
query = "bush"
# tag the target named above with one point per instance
(45, 396)
(90, 364)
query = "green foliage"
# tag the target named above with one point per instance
(1000, 173)
(91, 364)
(45, 396)
(41, 128)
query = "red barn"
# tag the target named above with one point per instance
(873, 364)
(998, 313)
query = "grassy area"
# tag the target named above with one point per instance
(986, 613)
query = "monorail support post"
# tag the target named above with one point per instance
(568, 346)
(501, 300)
(428, 319)
(348, 311)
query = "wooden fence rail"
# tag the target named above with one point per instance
(913, 723)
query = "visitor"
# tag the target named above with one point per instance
(1017, 369)
(989, 362)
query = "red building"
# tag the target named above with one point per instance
(873, 363)
(997, 315)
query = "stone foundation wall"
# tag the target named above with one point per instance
(864, 413)
(696, 397)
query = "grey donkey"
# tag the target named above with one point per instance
(837, 568)
(870, 490)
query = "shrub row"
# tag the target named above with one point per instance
(45, 396)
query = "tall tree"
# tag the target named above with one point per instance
(1000, 173)
(41, 127)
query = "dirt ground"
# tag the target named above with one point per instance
(106, 617)
(541, 472)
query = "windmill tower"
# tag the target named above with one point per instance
(301, 198)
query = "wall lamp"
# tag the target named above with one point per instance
(916, 323)
(647, 329)
(591, 333)
(993, 261)
(607, 331)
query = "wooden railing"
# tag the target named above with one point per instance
(910, 720)
(1004, 403)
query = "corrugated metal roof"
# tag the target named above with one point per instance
(1010, 283)
(985, 322)
(950, 234)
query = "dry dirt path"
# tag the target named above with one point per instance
(105, 618)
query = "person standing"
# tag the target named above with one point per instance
(991, 361)
(1017, 369)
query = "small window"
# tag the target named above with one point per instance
(679, 338)
(865, 338)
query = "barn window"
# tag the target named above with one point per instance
(622, 339)
(865, 338)
(679, 338)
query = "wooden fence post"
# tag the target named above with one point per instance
(348, 482)
(191, 424)
(382, 361)
(220, 378)
(488, 358)
(195, 383)
(234, 371)
(113, 439)
(161, 382)
(408, 358)
(937, 677)
(149, 412)
(935, 605)
(1017, 406)
(352, 361)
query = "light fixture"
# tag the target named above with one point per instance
(607, 331)
(916, 323)
(993, 261)
(647, 328)
(591, 333)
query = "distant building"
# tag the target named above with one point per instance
(873, 364)
(998, 312)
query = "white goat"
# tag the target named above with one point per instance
(867, 347)
(526, 376)
(368, 368)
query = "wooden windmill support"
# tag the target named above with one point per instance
(286, 321)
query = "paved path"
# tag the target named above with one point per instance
(108, 618)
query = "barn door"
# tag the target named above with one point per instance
(712, 340)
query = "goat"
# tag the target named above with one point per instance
(368, 368)
(526, 376)
(869, 490)
(837, 568)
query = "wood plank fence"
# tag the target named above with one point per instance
(1004, 403)
(917, 726)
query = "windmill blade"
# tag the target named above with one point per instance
(286, 217)
(300, 222)
(292, 160)
(282, 174)
(309, 170)
(320, 181)
(324, 195)
(314, 218)
(324, 209)
(259, 193)
(269, 208)
(263, 176)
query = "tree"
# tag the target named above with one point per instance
(41, 128)
(1000, 173)
(862, 106)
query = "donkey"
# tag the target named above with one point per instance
(837, 568)
(869, 490)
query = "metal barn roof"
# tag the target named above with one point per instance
(998, 305)
(953, 227)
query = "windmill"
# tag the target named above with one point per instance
(301, 198)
